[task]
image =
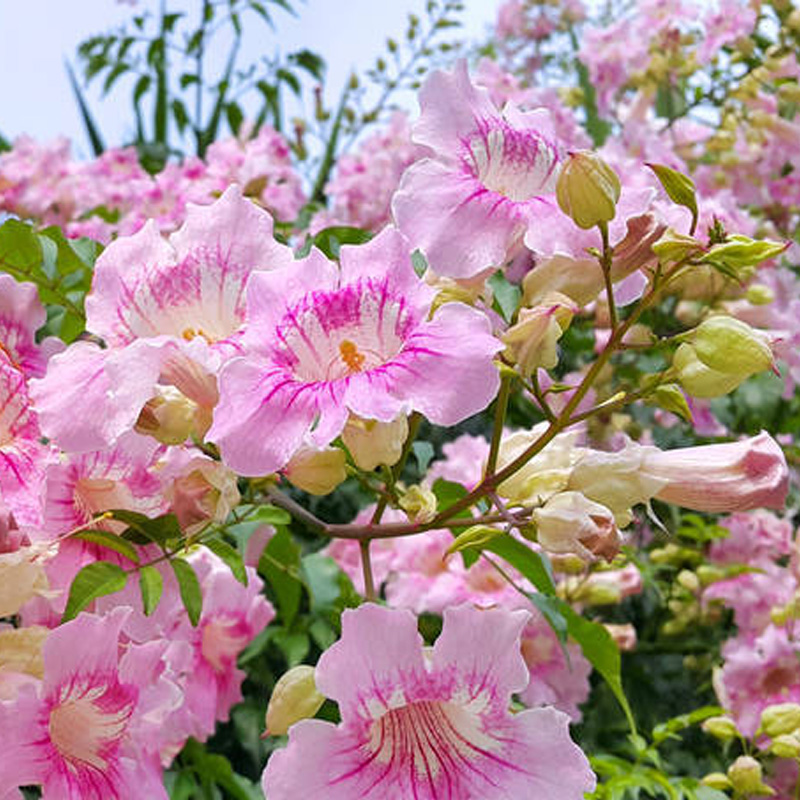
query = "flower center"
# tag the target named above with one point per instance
(351, 355)
(192, 333)
(436, 737)
(95, 495)
(516, 164)
(86, 730)
(779, 678)
(330, 336)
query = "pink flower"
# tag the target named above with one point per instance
(322, 342)
(74, 736)
(734, 476)
(755, 538)
(428, 728)
(22, 456)
(490, 180)
(21, 315)
(169, 311)
(559, 672)
(758, 673)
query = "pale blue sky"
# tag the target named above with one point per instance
(36, 36)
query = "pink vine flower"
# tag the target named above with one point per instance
(434, 727)
(321, 342)
(491, 177)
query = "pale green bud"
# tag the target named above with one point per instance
(745, 775)
(723, 728)
(372, 443)
(786, 746)
(587, 189)
(419, 503)
(780, 719)
(759, 295)
(698, 379)
(728, 345)
(673, 247)
(294, 697)
(716, 780)
(317, 472)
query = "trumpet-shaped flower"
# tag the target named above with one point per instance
(73, 733)
(428, 728)
(491, 177)
(323, 342)
(170, 313)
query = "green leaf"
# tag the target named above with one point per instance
(526, 561)
(602, 653)
(506, 295)
(143, 530)
(671, 398)
(322, 579)
(679, 188)
(61, 268)
(230, 555)
(110, 541)
(423, 453)
(270, 515)
(92, 131)
(151, 585)
(214, 770)
(330, 240)
(279, 564)
(189, 586)
(476, 537)
(94, 580)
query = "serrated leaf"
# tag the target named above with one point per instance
(151, 585)
(230, 555)
(110, 541)
(189, 587)
(94, 580)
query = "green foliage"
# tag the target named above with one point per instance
(151, 585)
(94, 580)
(189, 588)
(60, 268)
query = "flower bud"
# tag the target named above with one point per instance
(759, 295)
(372, 443)
(171, 417)
(531, 342)
(728, 345)
(700, 380)
(587, 189)
(624, 635)
(22, 577)
(745, 775)
(688, 580)
(786, 746)
(317, 472)
(780, 719)
(205, 491)
(475, 537)
(571, 523)
(723, 728)
(716, 780)
(294, 697)
(21, 650)
(419, 503)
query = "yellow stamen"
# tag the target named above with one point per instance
(352, 356)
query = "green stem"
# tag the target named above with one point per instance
(501, 408)
(415, 420)
(606, 259)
